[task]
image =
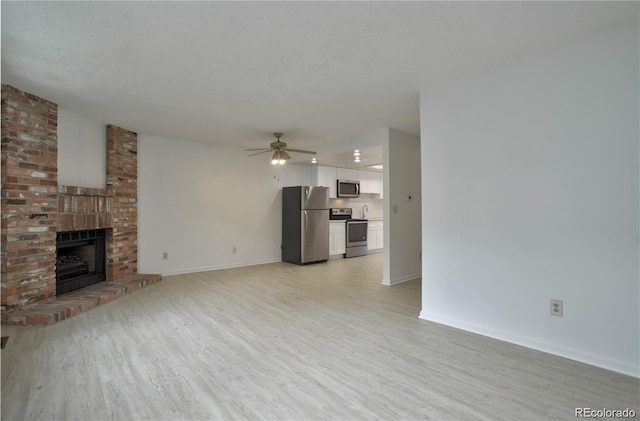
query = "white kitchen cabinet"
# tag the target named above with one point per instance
(375, 182)
(337, 237)
(363, 176)
(370, 181)
(346, 174)
(326, 177)
(375, 239)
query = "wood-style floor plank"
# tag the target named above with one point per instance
(285, 342)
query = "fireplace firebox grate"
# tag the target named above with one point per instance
(80, 259)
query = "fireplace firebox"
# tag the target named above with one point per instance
(80, 259)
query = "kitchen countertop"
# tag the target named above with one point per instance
(379, 218)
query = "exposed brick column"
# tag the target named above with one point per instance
(29, 198)
(122, 181)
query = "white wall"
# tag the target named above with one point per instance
(530, 187)
(197, 201)
(292, 175)
(82, 151)
(371, 138)
(402, 227)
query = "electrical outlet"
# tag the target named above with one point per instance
(165, 255)
(234, 250)
(556, 307)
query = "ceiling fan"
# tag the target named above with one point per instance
(279, 148)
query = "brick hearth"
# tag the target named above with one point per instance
(57, 309)
(35, 207)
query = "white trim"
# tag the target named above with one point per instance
(206, 269)
(570, 353)
(401, 279)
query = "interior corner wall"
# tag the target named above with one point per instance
(530, 187)
(197, 201)
(402, 227)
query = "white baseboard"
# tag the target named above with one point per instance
(572, 354)
(401, 279)
(208, 268)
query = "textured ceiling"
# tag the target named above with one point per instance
(234, 72)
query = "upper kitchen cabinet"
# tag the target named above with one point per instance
(347, 174)
(363, 177)
(370, 182)
(326, 177)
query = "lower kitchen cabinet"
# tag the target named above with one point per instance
(337, 238)
(375, 240)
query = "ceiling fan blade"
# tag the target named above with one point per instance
(299, 151)
(258, 153)
(257, 149)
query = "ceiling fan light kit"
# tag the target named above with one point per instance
(280, 157)
(280, 154)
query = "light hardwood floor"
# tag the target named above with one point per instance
(281, 341)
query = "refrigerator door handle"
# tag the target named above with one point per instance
(306, 221)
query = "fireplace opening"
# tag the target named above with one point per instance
(80, 259)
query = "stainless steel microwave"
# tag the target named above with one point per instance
(348, 188)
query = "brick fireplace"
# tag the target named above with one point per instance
(35, 208)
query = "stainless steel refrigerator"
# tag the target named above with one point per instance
(305, 224)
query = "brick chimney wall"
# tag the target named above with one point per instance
(31, 199)
(122, 179)
(29, 174)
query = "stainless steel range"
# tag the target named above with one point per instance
(356, 231)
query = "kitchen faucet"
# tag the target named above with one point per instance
(364, 207)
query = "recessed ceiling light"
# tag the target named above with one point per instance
(314, 161)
